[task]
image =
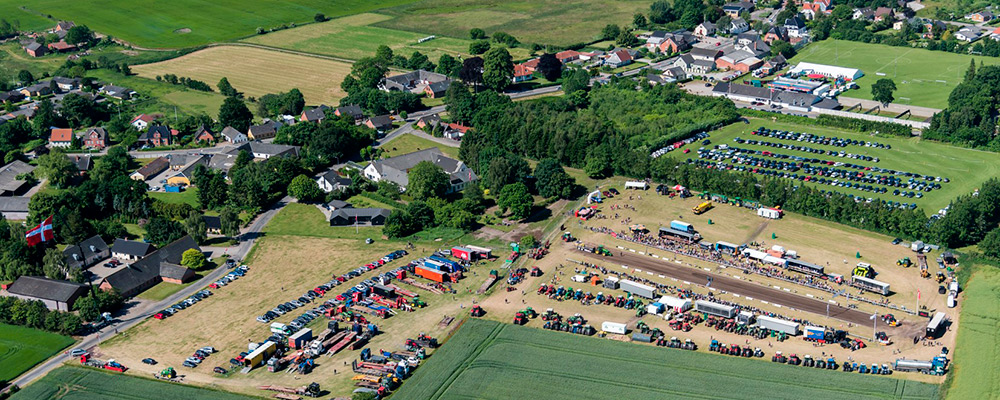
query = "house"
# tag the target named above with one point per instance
(130, 250)
(234, 136)
(655, 79)
(795, 27)
(185, 176)
(773, 65)
(263, 151)
(63, 26)
(675, 42)
(811, 9)
(981, 16)
(883, 13)
(699, 53)
(12, 96)
(337, 204)
(864, 14)
(531, 65)
(35, 49)
(316, 115)
(704, 29)
(150, 170)
(414, 81)
(203, 135)
(429, 122)
(590, 55)
(66, 84)
(83, 162)
(692, 66)
(455, 131)
(213, 224)
(73, 257)
(395, 169)
(87, 253)
(734, 10)
(359, 216)
(619, 58)
(61, 137)
(118, 93)
(141, 122)
(676, 73)
(738, 26)
(162, 265)
(156, 136)
(38, 89)
(748, 42)
(568, 56)
(266, 130)
(970, 33)
(381, 123)
(95, 139)
(522, 73)
(332, 181)
(14, 207)
(438, 89)
(11, 178)
(352, 110)
(57, 295)
(61, 46)
(995, 35)
(775, 33)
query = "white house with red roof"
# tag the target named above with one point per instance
(141, 122)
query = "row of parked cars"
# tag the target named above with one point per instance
(319, 291)
(188, 302)
(806, 149)
(698, 136)
(233, 275)
(198, 356)
(817, 139)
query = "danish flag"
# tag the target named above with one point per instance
(41, 233)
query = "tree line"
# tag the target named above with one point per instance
(971, 116)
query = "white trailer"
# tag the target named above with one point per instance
(636, 185)
(638, 289)
(774, 324)
(719, 310)
(613, 327)
(770, 213)
(754, 254)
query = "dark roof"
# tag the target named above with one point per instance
(93, 245)
(132, 248)
(149, 268)
(349, 213)
(34, 46)
(795, 21)
(314, 114)
(66, 81)
(381, 120)
(439, 87)
(9, 173)
(73, 256)
(173, 271)
(154, 167)
(334, 178)
(14, 204)
(353, 110)
(266, 128)
(45, 288)
(338, 204)
(172, 252)
(212, 222)
(82, 161)
(703, 52)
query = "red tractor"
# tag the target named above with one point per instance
(520, 319)
(477, 311)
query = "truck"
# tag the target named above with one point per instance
(613, 327)
(611, 282)
(384, 291)
(437, 265)
(814, 333)
(779, 325)
(299, 339)
(431, 273)
(705, 206)
(682, 226)
(935, 324)
(277, 327)
(936, 366)
(451, 264)
(462, 253)
(637, 289)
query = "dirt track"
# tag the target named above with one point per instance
(738, 286)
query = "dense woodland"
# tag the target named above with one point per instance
(971, 117)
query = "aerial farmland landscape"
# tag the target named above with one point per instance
(453, 199)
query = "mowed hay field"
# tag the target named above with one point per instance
(82, 383)
(545, 21)
(21, 348)
(976, 370)
(182, 23)
(491, 360)
(966, 168)
(353, 37)
(258, 72)
(923, 77)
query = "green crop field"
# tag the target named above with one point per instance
(490, 360)
(182, 23)
(21, 348)
(540, 21)
(82, 383)
(976, 370)
(923, 77)
(966, 168)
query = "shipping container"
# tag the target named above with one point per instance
(771, 213)
(935, 324)
(384, 291)
(430, 273)
(774, 324)
(814, 332)
(461, 253)
(654, 308)
(428, 263)
(638, 289)
(641, 337)
(613, 327)
(719, 310)
(300, 338)
(682, 226)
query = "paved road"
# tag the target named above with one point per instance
(145, 310)
(739, 286)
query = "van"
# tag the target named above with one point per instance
(579, 278)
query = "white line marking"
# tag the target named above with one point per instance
(762, 301)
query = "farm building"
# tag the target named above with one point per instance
(829, 71)
(14, 207)
(213, 224)
(162, 265)
(10, 185)
(88, 252)
(55, 294)
(266, 130)
(395, 169)
(359, 216)
(331, 181)
(414, 81)
(150, 170)
(234, 136)
(130, 250)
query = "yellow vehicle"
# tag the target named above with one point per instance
(865, 270)
(698, 209)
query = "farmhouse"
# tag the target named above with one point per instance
(379, 123)
(12, 182)
(150, 170)
(95, 138)
(234, 136)
(438, 89)
(351, 110)
(186, 175)
(14, 207)
(618, 58)
(117, 92)
(61, 46)
(55, 294)
(970, 33)
(738, 25)
(204, 135)
(141, 122)
(82, 162)
(162, 265)
(981, 16)
(130, 250)
(522, 73)
(414, 81)
(829, 71)
(156, 136)
(863, 14)
(88, 252)
(568, 56)
(395, 169)
(359, 216)
(692, 66)
(66, 84)
(332, 181)
(883, 13)
(38, 89)
(431, 121)
(455, 131)
(61, 137)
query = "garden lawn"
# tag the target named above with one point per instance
(923, 77)
(189, 196)
(82, 383)
(408, 143)
(21, 348)
(298, 219)
(975, 373)
(181, 23)
(966, 168)
(490, 360)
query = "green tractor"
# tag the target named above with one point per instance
(904, 262)
(416, 302)
(530, 313)
(602, 251)
(168, 373)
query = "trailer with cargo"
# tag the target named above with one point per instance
(814, 333)
(462, 253)
(480, 253)
(804, 267)
(259, 354)
(936, 366)
(454, 265)
(384, 291)
(638, 289)
(780, 325)
(431, 273)
(935, 324)
(673, 233)
(870, 285)
(716, 309)
(726, 247)
(682, 226)
(299, 339)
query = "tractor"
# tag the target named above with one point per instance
(778, 358)
(477, 311)
(530, 313)
(940, 277)
(567, 237)
(602, 251)
(904, 262)
(168, 373)
(416, 302)
(890, 320)
(519, 318)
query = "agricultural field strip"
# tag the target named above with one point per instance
(467, 361)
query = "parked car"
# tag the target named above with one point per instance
(149, 361)
(77, 352)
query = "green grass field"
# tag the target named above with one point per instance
(81, 383)
(966, 168)
(189, 196)
(976, 370)
(21, 348)
(546, 21)
(182, 23)
(490, 360)
(408, 143)
(923, 77)
(299, 219)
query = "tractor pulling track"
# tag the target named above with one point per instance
(744, 288)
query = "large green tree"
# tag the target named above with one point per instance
(305, 189)
(194, 226)
(551, 179)
(193, 258)
(234, 113)
(427, 180)
(515, 197)
(882, 91)
(57, 168)
(498, 69)
(161, 231)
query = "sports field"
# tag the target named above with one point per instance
(182, 23)
(976, 370)
(257, 71)
(541, 21)
(491, 360)
(354, 37)
(81, 383)
(923, 77)
(966, 168)
(21, 348)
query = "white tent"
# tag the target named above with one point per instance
(676, 304)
